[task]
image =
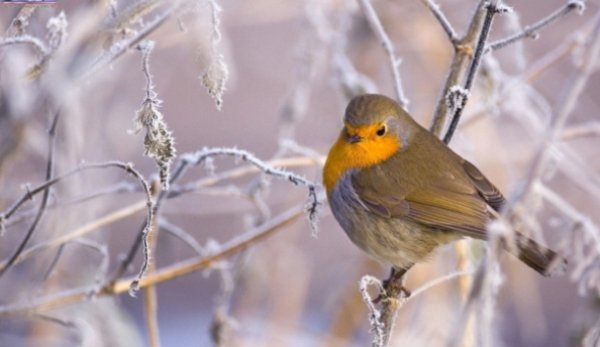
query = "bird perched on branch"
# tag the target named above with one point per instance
(399, 192)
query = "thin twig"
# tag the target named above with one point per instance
(132, 14)
(351, 81)
(551, 58)
(140, 205)
(441, 18)
(440, 280)
(159, 143)
(229, 248)
(181, 234)
(119, 188)
(53, 262)
(83, 167)
(42, 208)
(388, 46)
(42, 187)
(486, 281)
(168, 273)
(313, 47)
(144, 237)
(532, 30)
(46, 185)
(240, 172)
(128, 259)
(580, 131)
(81, 231)
(150, 295)
(575, 86)
(465, 283)
(380, 337)
(120, 47)
(21, 21)
(34, 42)
(382, 321)
(101, 249)
(198, 158)
(56, 320)
(222, 322)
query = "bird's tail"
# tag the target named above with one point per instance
(543, 260)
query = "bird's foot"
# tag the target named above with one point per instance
(392, 288)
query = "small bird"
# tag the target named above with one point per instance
(399, 192)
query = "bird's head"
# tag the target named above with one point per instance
(375, 128)
(373, 119)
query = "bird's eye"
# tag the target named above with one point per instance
(381, 131)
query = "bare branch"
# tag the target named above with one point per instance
(578, 80)
(440, 280)
(551, 58)
(532, 30)
(381, 35)
(81, 231)
(139, 206)
(53, 263)
(132, 14)
(45, 188)
(120, 47)
(591, 129)
(44, 202)
(150, 295)
(382, 322)
(181, 234)
(182, 268)
(229, 248)
(463, 50)
(102, 251)
(441, 18)
(200, 156)
(159, 142)
(380, 338)
(56, 320)
(491, 10)
(21, 21)
(128, 259)
(37, 44)
(216, 178)
(352, 82)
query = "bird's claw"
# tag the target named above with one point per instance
(392, 289)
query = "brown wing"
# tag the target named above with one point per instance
(447, 205)
(485, 188)
(449, 210)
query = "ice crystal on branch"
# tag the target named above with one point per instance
(159, 143)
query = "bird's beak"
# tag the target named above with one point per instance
(353, 138)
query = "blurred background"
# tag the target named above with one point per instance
(288, 68)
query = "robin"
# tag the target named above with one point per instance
(399, 192)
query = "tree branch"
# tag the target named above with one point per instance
(441, 18)
(44, 187)
(462, 94)
(463, 50)
(42, 208)
(532, 30)
(394, 62)
(168, 273)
